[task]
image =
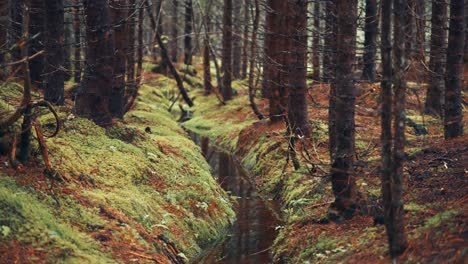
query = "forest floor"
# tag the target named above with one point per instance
(139, 191)
(436, 192)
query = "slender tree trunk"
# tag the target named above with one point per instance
(140, 44)
(15, 32)
(343, 178)
(387, 114)
(206, 59)
(297, 74)
(77, 46)
(420, 21)
(329, 41)
(188, 47)
(93, 98)
(370, 41)
(435, 92)
(245, 44)
(4, 25)
(227, 51)
(162, 67)
(54, 52)
(253, 48)
(174, 32)
(395, 215)
(130, 54)
(237, 40)
(36, 31)
(316, 43)
(119, 14)
(67, 47)
(453, 117)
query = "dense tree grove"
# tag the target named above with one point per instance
(290, 58)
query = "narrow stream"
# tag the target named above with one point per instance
(254, 231)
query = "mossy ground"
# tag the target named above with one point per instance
(127, 189)
(435, 226)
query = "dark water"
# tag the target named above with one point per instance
(254, 231)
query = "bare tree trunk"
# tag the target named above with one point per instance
(174, 32)
(4, 25)
(54, 52)
(93, 98)
(237, 40)
(329, 41)
(297, 74)
(435, 92)
(15, 32)
(206, 59)
(253, 48)
(316, 43)
(140, 44)
(453, 117)
(370, 41)
(77, 46)
(227, 51)
(395, 215)
(343, 178)
(245, 45)
(188, 47)
(119, 14)
(68, 27)
(37, 32)
(130, 54)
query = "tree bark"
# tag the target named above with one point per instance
(130, 53)
(188, 47)
(435, 92)
(253, 48)
(237, 40)
(15, 32)
(77, 46)
(245, 44)
(329, 41)
(4, 25)
(174, 32)
(370, 41)
(343, 178)
(395, 214)
(119, 14)
(316, 43)
(37, 31)
(297, 74)
(453, 117)
(140, 44)
(227, 51)
(206, 59)
(68, 27)
(94, 95)
(54, 52)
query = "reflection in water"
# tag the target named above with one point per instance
(254, 230)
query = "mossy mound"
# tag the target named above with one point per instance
(137, 191)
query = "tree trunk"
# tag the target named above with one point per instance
(162, 67)
(140, 43)
(119, 14)
(67, 47)
(343, 178)
(316, 43)
(175, 31)
(277, 42)
(245, 44)
(435, 92)
(453, 117)
(329, 41)
(297, 74)
(370, 41)
(93, 98)
(15, 32)
(36, 31)
(188, 48)
(4, 25)
(206, 59)
(237, 40)
(77, 46)
(54, 52)
(253, 48)
(227, 51)
(395, 215)
(130, 54)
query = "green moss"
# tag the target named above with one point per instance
(440, 219)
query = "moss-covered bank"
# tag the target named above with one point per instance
(305, 194)
(139, 191)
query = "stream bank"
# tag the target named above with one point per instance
(139, 191)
